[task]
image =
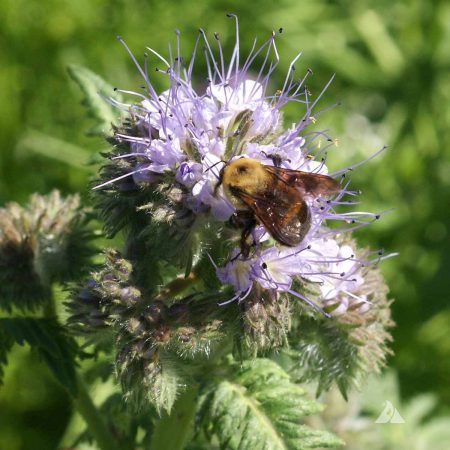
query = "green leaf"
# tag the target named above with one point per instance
(260, 408)
(51, 147)
(5, 346)
(50, 341)
(144, 382)
(323, 351)
(163, 388)
(95, 91)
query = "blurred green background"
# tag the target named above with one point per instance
(392, 66)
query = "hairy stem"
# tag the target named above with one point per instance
(173, 431)
(93, 418)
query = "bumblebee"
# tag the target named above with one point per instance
(274, 197)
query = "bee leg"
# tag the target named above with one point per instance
(240, 219)
(246, 232)
(245, 248)
(246, 221)
(234, 258)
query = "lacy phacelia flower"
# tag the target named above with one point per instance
(184, 136)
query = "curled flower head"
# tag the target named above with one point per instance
(176, 144)
(47, 240)
(237, 234)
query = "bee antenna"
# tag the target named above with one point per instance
(219, 178)
(214, 165)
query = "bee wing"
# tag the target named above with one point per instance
(284, 214)
(310, 183)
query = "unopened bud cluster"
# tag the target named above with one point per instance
(45, 241)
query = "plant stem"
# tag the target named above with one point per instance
(173, 431)
(177, 285)
(93, 418)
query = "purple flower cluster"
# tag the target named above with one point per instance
(190, 134)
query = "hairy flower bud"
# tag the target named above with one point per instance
(266, 321)
(45, 241)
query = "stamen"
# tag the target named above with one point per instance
(119, 178)
(353, 166)
(310, 303)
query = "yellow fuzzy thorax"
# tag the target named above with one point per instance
(248, 175)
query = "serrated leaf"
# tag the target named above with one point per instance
(164, 389)
(5, 346)
(96, 91)
(48, 338)
(260, 409)
(148, 382)
(323, 351)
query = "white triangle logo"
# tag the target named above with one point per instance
(389, 414)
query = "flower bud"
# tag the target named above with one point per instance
(45, 241)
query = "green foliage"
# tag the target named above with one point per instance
(324, 353)
(6, 343)
(148, 382)
(259, 407)
(97, 93)
(50, 341)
